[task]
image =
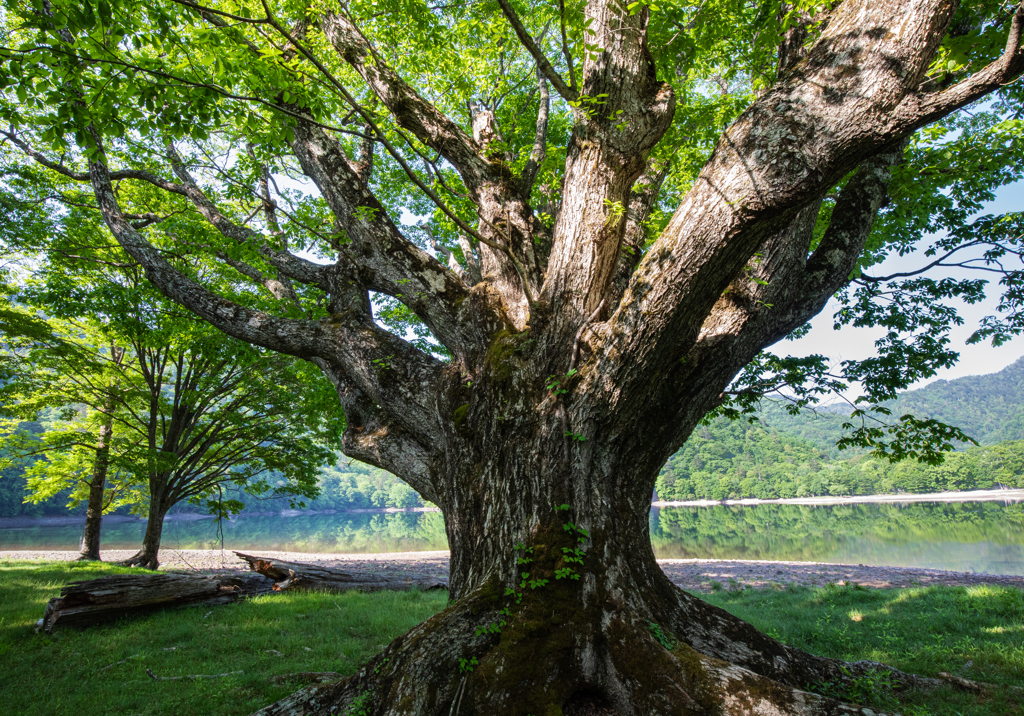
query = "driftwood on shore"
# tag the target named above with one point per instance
(82, 604)
(310, 577)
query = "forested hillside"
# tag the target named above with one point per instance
(989, 408)
(778, 455)
(783, 455)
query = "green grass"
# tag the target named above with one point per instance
(975, 632)
(65, 674)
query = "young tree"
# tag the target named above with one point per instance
(74, 451)
(630, 202)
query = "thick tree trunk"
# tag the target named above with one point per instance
(560, 607)
(147, 556)
(90, 547)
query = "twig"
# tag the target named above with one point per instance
(457, 702)
(182, 558)
(116, 663)
(307, 677)
(979, 687)
(190, 677)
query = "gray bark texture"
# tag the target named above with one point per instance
(577, 369)
(90, 548)
(289, 576)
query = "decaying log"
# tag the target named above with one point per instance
(82, 604)
(310, 577)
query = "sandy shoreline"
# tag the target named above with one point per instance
(691, 574)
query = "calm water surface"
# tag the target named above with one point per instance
(971, 537)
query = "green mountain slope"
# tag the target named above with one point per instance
(783, 455)
(989, 408)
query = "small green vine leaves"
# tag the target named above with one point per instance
(360, 705)
(615, 210)
(554, 383)
(575, 436)
(526, 550)
(466, 665)
(666, 640)
(572, 555)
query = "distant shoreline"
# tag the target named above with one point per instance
(14, 522)
(967, 496)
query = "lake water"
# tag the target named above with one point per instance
(971, 537)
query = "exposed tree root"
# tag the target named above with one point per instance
(548, 654)
(141, 559)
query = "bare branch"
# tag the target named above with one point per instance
(389, 262)
(530, 44)
(411, 111)
(540, 137)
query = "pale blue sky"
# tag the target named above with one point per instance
(858, 343)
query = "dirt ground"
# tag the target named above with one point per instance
(695, 575)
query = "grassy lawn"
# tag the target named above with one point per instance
(974, 632)
(69, 673)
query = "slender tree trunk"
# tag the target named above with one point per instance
(90, 547)
(147, 556)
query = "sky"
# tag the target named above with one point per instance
(858, 343)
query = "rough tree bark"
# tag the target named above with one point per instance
(148, 555)
(90, 547)
(573, 377)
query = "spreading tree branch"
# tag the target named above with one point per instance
(543, 65)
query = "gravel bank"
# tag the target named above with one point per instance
(691, 574)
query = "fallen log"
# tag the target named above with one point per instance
(82, 604)
(310, 577)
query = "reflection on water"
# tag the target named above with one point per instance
(971, 537)
(344, 532)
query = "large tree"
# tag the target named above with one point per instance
(630, 202)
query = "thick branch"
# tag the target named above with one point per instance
(371, 436)
(388, 262)
(540, 138)
(351, 345)
(411, 111)
(783, 153)
(299, 269)
(920, 108)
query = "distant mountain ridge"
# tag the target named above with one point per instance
(989, 408)
(783, 455)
